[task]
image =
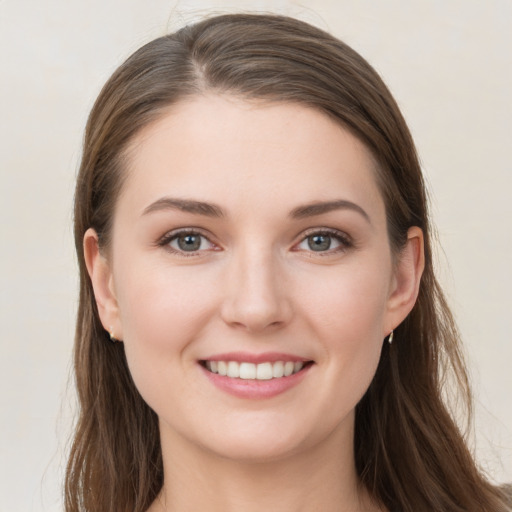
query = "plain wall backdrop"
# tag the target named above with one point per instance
(449, 65)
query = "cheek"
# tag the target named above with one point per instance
(349, 303)
(158, 301)
(347, 316)
(162, 310)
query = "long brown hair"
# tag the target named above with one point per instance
(410, 454)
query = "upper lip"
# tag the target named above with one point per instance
(265, 357)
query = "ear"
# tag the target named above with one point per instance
(405, 284)
(100, 272)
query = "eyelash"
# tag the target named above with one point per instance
(166, 240)
(343, 239)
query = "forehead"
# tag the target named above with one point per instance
(232, 151)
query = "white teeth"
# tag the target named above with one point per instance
(288, 368)
(278, 369)
(233, 370)
(251, 371)
(264, 371)
(222, 368)
(247, 371)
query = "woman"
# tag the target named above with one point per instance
(260, 326)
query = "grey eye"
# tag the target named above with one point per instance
(189, 242)
(319, 242)
(323, 241)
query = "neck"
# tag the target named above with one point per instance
(319, 478)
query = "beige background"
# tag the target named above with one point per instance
(449, 64)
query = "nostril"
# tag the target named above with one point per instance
(254, 300)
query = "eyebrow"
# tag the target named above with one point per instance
(319, 208)
(184, 205)
(212, 210)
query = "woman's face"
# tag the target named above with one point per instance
(251, 238)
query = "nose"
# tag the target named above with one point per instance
(256, 294)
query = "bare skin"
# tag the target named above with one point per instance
(306, 482)
(253, 229)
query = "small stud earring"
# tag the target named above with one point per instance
(113, 339)
(390, 337)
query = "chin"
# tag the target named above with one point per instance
(258, 438)
(261, 449)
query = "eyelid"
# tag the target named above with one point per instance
(165, 240)
(343, 238)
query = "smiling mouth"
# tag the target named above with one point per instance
(252, 371)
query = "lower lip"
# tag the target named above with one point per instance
(256, 389)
